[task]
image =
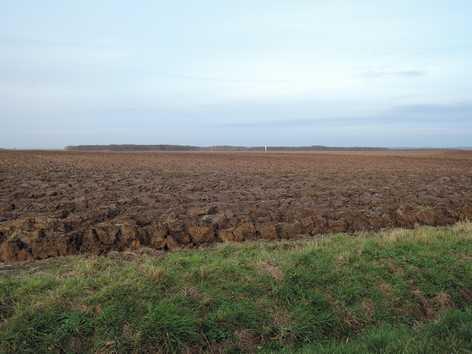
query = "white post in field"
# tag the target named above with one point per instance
(265, 148)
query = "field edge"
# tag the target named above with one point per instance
(394, 291)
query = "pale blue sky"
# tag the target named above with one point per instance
(302, 72)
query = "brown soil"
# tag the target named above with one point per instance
(59, 203)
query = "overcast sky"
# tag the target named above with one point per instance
(241, 72)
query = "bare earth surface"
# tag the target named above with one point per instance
(59, 203)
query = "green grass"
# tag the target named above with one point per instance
(393, 292)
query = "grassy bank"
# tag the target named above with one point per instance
(397, 291)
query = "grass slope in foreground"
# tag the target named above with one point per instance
(394, 292)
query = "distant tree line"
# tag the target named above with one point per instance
(162, 147)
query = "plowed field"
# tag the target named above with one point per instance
(59, 203)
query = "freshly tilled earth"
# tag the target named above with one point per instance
(55, 203)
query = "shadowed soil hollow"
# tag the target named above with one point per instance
(60, 203)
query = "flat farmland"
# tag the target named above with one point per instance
(55, 203)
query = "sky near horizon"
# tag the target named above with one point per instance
(207, 72)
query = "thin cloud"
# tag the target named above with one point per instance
(428, 113)
(461, 108)
(221, 79)
(35, 42)
(300, 122)
(375, 74)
